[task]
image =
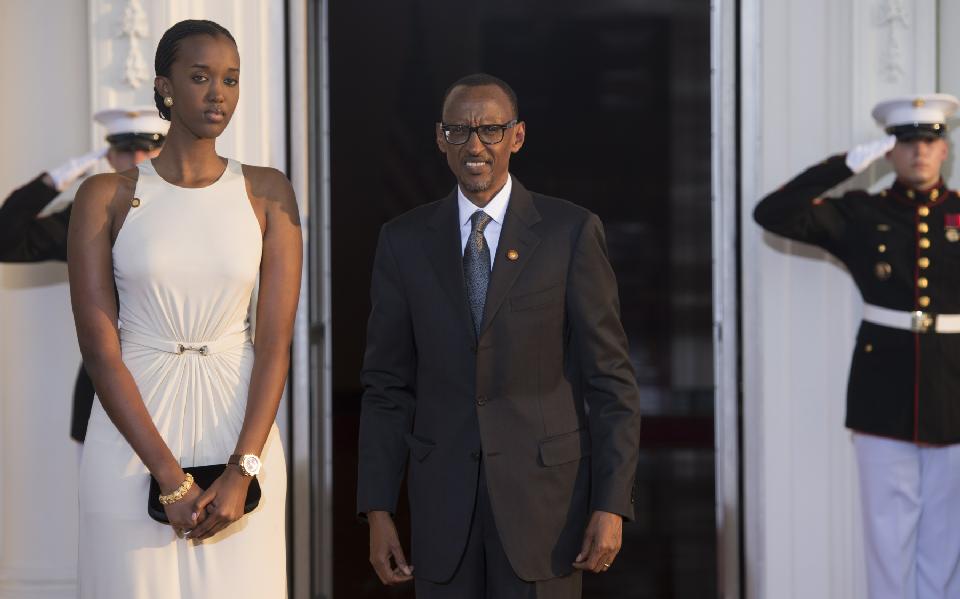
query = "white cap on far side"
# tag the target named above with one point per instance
(916, 116)
(140, 119)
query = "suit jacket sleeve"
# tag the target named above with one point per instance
(607, 380)
(797, 211)
(23, 236)
(388, 378)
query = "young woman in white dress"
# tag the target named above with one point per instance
(180, 241)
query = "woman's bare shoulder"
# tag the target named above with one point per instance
(270, 186)
(103, 190)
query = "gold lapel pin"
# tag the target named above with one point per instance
(512, 255)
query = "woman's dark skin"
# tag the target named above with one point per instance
(204, 84)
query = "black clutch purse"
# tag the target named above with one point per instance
(203, 476)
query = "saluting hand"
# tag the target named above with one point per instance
(384, 545)
(862, 156)
(601, 542)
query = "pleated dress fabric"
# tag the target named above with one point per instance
(185, 264)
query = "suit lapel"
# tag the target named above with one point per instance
(442, 245)
(516, 235)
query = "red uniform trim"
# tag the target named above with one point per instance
(916, 336)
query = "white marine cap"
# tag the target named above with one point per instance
(140, 125)
(912, 117)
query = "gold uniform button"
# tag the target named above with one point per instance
(923, 228)
(135, 202)
(923, 211)
(911, 194)
(924, 301)
(924, 242)
(934, 194)
(881, 248)
(922, 283)
(923, 262)
(868, 348)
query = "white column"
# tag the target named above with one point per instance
(811, 71)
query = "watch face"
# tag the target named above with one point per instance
(251, 464)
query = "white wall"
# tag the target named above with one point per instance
(811, 71)
(60, 60)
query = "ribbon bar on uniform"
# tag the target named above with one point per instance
(916, 321)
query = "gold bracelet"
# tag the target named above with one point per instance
(179, 493)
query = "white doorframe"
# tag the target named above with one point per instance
(723, 62)
(312, 528)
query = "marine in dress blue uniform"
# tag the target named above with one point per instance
(902, 248)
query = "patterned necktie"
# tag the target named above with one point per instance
(476, 266)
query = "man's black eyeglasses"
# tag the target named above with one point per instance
(488, 134)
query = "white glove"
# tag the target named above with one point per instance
(862, 156)
(72, 169)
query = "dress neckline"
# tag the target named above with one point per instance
(148, 165)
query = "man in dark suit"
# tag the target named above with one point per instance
(27, 235)
(496, 374)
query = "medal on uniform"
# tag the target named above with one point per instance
(951, 226)
(882, 270)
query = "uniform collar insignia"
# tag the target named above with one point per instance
(930, 197)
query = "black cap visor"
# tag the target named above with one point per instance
(918, 131)
(132, 142)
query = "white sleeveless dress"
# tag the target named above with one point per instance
(185, 265)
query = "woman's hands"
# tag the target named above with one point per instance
(221, 504)
(183, 514)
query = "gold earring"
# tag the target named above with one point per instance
(168, 101)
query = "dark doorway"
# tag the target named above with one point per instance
(616, 96)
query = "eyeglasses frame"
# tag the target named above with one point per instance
(444, 128)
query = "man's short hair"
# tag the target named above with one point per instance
(478, 80)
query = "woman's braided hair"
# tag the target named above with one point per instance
(170, 42)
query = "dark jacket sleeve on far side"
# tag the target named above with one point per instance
(608, 381)
(798, 211)
(23, 236)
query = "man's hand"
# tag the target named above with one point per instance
(384, 545)
(601, 542)
(862, 156)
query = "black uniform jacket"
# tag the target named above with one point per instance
(545, 400)
(902, 248)
(26, 238)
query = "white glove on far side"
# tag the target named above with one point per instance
(72, 169)
(862, 156)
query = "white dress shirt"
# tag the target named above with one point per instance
(496, 210)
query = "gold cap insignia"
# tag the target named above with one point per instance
(919, 102)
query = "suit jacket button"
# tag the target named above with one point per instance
(481, 400)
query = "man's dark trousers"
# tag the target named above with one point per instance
(485, 571)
